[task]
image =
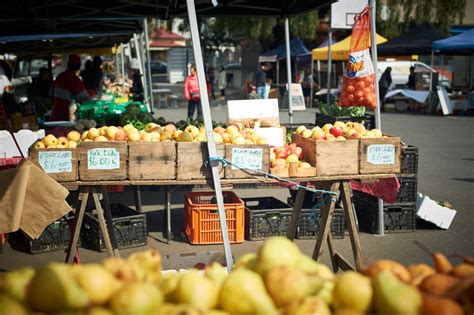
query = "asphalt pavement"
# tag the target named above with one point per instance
(446, 172)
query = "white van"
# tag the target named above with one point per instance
(401, 71)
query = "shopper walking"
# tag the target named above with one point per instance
(260, 80)
(384, 83)
(191, 91)
(222, 81)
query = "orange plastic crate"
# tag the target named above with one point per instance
(201, 218)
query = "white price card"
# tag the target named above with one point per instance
(103, 159)
(249, 158)
(55, 161)
(381, 154)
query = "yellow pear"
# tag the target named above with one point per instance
(354, 291)
(98, 283)
(198, 291)
(137, 298)
(276, 251)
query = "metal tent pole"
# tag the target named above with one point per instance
(319, 72)
(116, 47)
(148, 62)
(288, 68)
(122, 61)
(206, 111)
(139, 51)
(378, 125)
(146, 88)
(431, 72)
(328, 92)
(278, 72)
(311, 87)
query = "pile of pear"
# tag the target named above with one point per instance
(278, 279)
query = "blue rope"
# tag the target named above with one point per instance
(320, 191)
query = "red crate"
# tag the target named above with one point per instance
(10, 162)
(201, 218)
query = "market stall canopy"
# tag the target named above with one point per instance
(462, 44)
(340, 50)
(417, 41)
(296, 48)
(61, 42)
(306, 58)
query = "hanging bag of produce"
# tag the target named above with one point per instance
(358, 79)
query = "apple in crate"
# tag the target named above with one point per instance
(278, 163)
(318, 134)
(336, 131)
(306, 133)
(280, 153)
(304, 165)
(291, 158)
(74, 136)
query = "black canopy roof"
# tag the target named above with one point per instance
(417, 41)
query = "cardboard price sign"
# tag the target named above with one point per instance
(247, 158)
(381, 154)
(55, 161)
(103, 159)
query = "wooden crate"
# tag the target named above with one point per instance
(255, 156)
(330, 157)
(151, 160)
(59, 164)
(102, 160)
(379, 155)
(191, 157)
(280, 172)
(295, 171)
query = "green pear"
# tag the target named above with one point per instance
(168, 284)
(98, 283)
(147, 265)
(178, 309)
(52, 290)
(195, 290)
(216, 272)
(310, 266)
(14, 283)
(326, 292)
(246, 261)
(10, 306)
(353, 290)
(243, 292)
(393, 297)
(137, 298)
(309, 305)
(286, 284)
(276, 251)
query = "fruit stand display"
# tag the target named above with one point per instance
(278, 279)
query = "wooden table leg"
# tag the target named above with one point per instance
(295, 215)
(350, 217)
(110, 222)
(78, 216)
(332, 253)
(138, 198)
(167, 213)
(102, 224)
(327, 211)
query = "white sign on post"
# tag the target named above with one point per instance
(381, 154)
(344, 11)
(297, 97)
(103, 159)
(55, 161)
(249, 158)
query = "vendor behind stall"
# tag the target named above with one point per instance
(68, 86)
(136, 81)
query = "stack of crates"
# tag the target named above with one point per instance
(401, 215)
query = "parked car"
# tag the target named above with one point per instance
(401, 70)
(25, 69)
(158, 67)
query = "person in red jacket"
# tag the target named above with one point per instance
(191, 91)
(68, 86)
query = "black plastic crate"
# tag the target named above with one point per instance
(399, 217)
(409, 160)
(129, 226)
(265, 217)
(408, 189)
(309, 227)
(368, 120)
(55, 237)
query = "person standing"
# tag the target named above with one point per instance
(191, 91)
(68, 86)
(384, 84)
(260, 80)
(222, 81)
(136, 80)
(41, 85)
(411, 84)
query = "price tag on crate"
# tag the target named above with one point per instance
(103, 159)
(381, 154)
(249, 158)
(55, 161)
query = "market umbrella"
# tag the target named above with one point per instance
(340, 50)
(462, 44)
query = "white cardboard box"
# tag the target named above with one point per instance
(429, 210)
(275, 135)
(25, 139)
(265, 110)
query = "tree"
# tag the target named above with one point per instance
(403, 13)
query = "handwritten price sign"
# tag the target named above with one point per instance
(247, 158)
(55, 161)
(381, 154)
(103, 159)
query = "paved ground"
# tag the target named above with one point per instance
(446, 172)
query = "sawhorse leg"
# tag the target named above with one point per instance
(110, 222)
(295, 215)
(352, 226)
(76, 228)
(167, 213)
(138, 198)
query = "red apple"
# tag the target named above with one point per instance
(280, 153)
(335, 131)
(298, 151)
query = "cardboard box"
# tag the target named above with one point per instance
(275, 136)
(25, 139)
(264, 110)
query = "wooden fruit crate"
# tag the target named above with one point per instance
(379, 155)
(59, 164)
(253, 156)
(151, 160)
(330, 157)
(295, 171)
(102, 160)
(280, 172)
(192, 158)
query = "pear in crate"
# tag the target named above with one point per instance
(97, 282)
(243, 292)
(137, 298)
(198, 291)
(9, 306)
(354, 291)
(147, 265)
(393, 297)
(246, 261)
(287, 284)
(216, 272)
(276, 251)
(14, 283)
(309, 305)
